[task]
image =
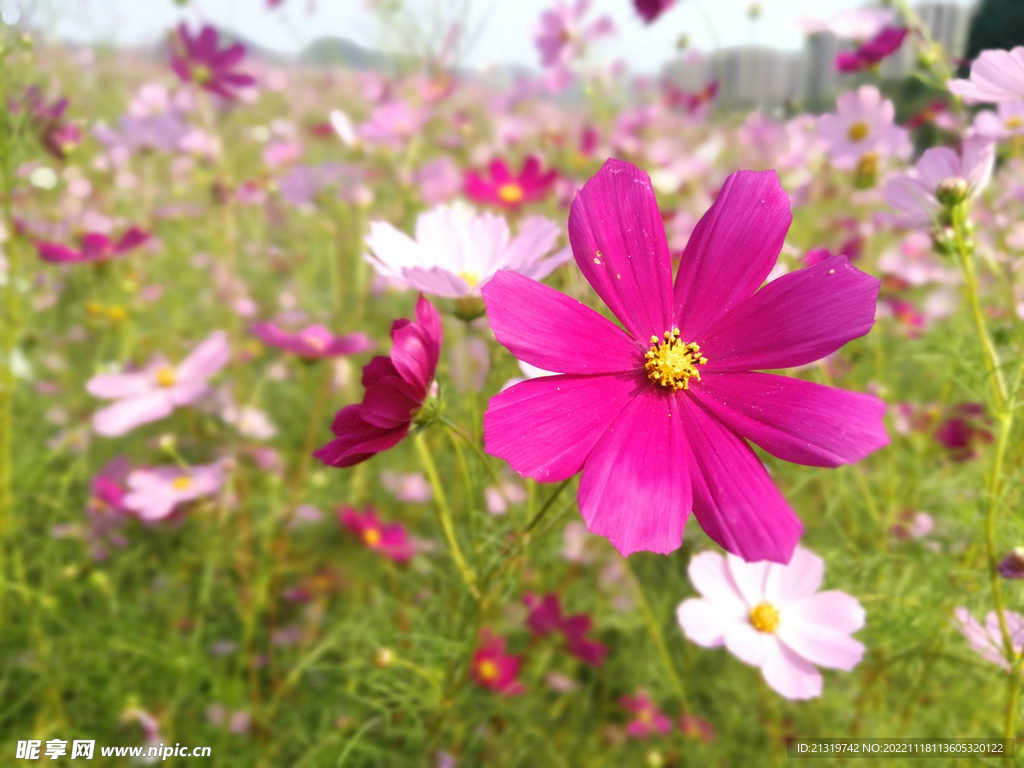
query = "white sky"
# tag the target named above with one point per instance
(506, 27)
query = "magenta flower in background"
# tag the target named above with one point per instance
(154, 494)
(655, 415)
(154, 392)
(941, 177)
(773, 617)
(396, 387)
(312, 343)
(650, 10)
(987, 641)
(493, 668)
(390, 539)
(996, 76)
(962, 428)
(500, 188)
(871, 52)
(95, 247)
(546, 617)
(456, 252)
(863, 126)
(562, 34)
(649, 718)
(198, 59)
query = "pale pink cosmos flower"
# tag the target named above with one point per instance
(154, 494)
(863, 125)
(941, 174)
(996, 76)
(1005, 122)
(852, 23)
(773, 617)
(456, 252)
(987, 640)
(392, 124)
(409, 487)
(313, 342)
(562, 34)
(154, 392)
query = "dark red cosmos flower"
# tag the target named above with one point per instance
(390, 539)
(396, 387)
(95, 247)
(499, 187)
(652, 9)
(872, 51)
(493, 668)
(198, 60)
(546, 617)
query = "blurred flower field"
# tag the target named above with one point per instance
(405, 417)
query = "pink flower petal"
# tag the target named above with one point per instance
(208, 358)
(796, 420)
(749, 578)
(800, 579)
(833, 609)
(113, 386)
(820, 645)
(731, 251)
(797, 319)
(705, 622)
(546, 427)
(789, 675)
(557, 333)
(710, 576)
(747, 644)
(635, 489)
(618, 240)
(733, 498)
(125, 415)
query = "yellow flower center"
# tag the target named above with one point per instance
(166, 377)
(372, 537)
(510, 193)
(671, 363)
(182, 482)
(487, 669)
(858, 131)
(867, 166)
(471, 278)
(765, 617)
(201, 74)
(1015, 122)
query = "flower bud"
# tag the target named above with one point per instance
(1012, 566)
(383, 658)
(952, 191)
(469, 308)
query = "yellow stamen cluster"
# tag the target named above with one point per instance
(372, 537)
(166, 377)
(201, 74)
(1013, 122)
(671, 363)
(510, 193)
(858, 131)
(182, 482)
(487, 669)
(471, 278)
(765, 617)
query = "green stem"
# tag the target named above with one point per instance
(444, 516)
(547, 505)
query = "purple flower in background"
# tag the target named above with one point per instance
(1012, 566)
(199, 59)
(312, 343)
(396, 387)
(95, 247)
(996, 76)
(154, 392)
(657, 415)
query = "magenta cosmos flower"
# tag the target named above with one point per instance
(996, 76)
(396, 387)
(154, 392)
(773, 617)
(199, 60)
(312, 343)
(499, 187)
(650, 10)
(390, 539)
(493, 668)
(95, 247)
(154, 494)
(649, 718)
(546, 617)
(655, 415)
(871, 52)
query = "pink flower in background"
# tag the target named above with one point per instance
(493, 668)
(562, 35)
(871, 52)
(392, 124)
(410, 486)
(655, 415)
(996, 76)
(912, 525)
(941, 175)
(650, 10)
(649, 718)
(456, 252)
(500, 188)
(198, 59)
(390, 539)
(962, 429)
(396, 387)
(695, 727)
(987, 641)
(312, 343)
(95, 247)
(439, 180)
(863, 125)
(773, 617)
(154, 494)
(1005, 122)
(154, 392)
(852, 23)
